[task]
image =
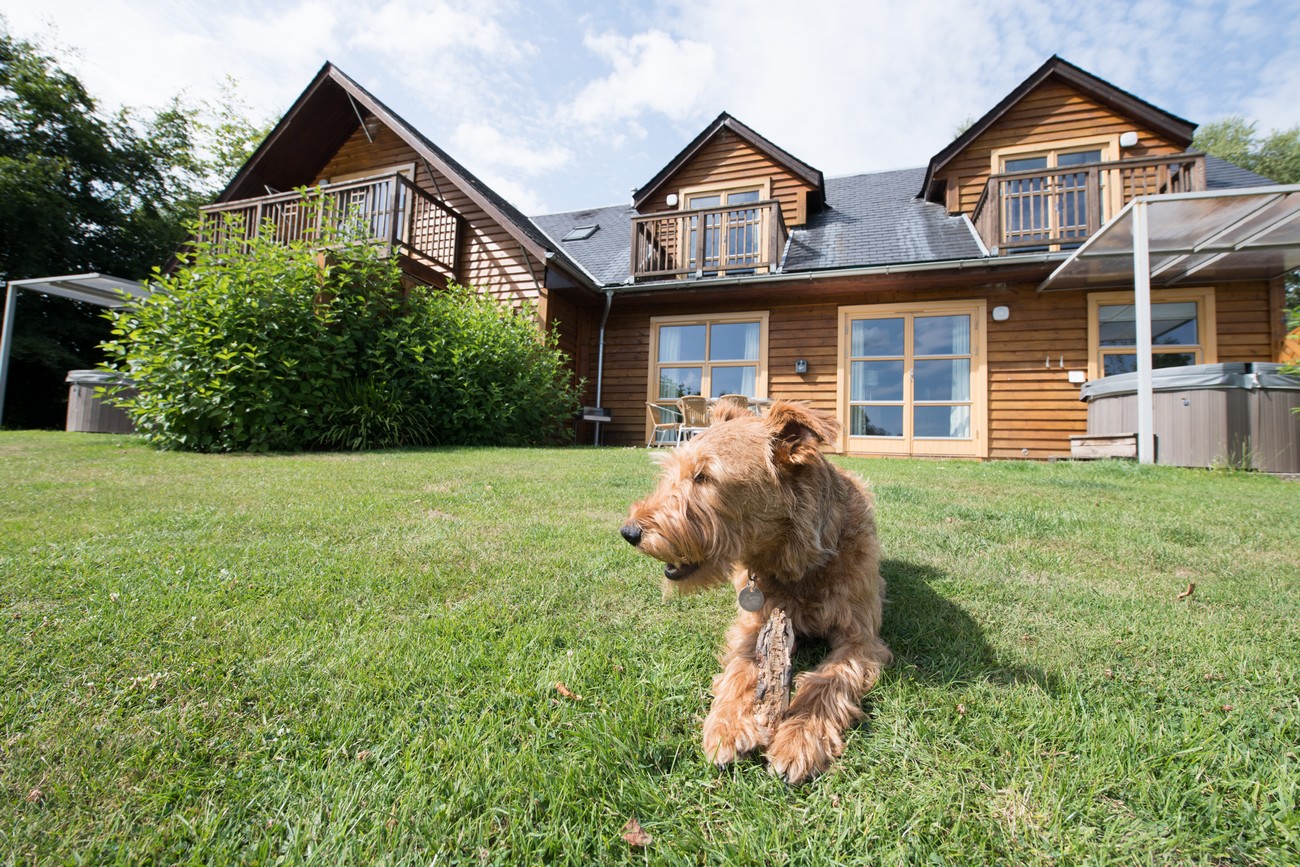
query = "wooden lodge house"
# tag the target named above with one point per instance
(916, 305)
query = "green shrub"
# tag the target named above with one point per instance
(258, 346)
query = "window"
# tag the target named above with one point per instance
(581, 233)
(708, 356)
(733, 238)
(915, 381)
(1051, 207)
(1182, 330)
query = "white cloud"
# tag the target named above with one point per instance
(652, 72)
(488, 146)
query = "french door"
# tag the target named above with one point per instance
(913, 379)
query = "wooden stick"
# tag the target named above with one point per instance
(772, 652)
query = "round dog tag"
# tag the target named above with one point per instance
(751, 598)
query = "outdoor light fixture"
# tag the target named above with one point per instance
(671, 200)
(1128, 139)
(801, 365)
(1001, 314)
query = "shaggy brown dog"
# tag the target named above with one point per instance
(754, 500)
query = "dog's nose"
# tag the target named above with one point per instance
(632, 533)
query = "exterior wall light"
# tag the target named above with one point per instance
(671, 200)
(1128, 139)
(801, 365)
(1001, 314)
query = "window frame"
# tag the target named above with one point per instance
(1111, 194)
(1206, 349)
(706, 365)
(974, 446)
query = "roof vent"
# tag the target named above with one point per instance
(581, 233)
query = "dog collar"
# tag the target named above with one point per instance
(751, 598)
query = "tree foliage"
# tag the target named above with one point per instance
(84, 191)
(272, 347)
(1276, 155)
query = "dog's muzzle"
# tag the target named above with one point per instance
(672, 571)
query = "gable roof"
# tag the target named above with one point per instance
(323, 117)
(797, 167)
(1171, 126)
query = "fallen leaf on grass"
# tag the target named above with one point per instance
(1186, 594)
(362, 755)
(1227, 708)
(566, 692)
(961, 709)
(635, 835)
(35, 796)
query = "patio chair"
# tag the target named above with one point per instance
(739, 400)
(665, 425)
(695, 415)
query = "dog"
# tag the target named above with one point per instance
(754, 502)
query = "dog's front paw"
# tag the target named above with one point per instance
(802, 748)
(731, 732)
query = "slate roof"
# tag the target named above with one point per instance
(1223, 175)
(876, 219)
(870, 219)
(606, 255)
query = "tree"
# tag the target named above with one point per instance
(81, 191)
(1276, 156)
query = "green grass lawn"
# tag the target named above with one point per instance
(347, 659)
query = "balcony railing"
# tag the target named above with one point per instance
(708, 242)
(388, 210)
(1053, 209)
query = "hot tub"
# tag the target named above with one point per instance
(88, 413)
(1237, 414)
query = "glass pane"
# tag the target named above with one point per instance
(738, 198)
(947, 379)
(1024, 164)
(1172, 324)
(679, 381)
(941, 335)
(1078, 158)
(941, 422)
(876, 380)
(877, 337)
(732, 380)
(734, 341)
(710, 201)
(681, 342)
(1126, 362)
(876, 421)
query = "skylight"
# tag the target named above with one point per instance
(581, 233)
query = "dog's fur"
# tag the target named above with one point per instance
(755, 497)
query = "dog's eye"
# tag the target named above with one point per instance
(702, 478)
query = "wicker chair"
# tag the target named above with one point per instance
(695, 415)
(665, 425)
(739, 400)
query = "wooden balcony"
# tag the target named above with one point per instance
(388, 210)
(1054, 209)
(732, 240)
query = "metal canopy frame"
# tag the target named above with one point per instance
(100, 289)
(1175, 239)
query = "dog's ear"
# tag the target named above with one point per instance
(798, 431)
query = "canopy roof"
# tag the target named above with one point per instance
(98, 289)
(1214, 236)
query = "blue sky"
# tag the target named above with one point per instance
(560, 104)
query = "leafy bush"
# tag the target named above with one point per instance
(256, 346)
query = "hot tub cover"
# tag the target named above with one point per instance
(1233, 374)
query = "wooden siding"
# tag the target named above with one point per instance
(1033, 409)
(1053, 112)
(492, 260)
(729, 160)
